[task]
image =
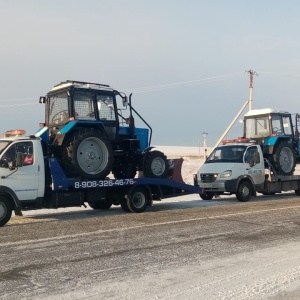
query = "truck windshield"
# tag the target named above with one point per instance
(227, 154)
(3, 145)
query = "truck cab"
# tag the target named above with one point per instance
(22, 172)
(235, 168)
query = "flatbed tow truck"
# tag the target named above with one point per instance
(40, 182)
(238, 167)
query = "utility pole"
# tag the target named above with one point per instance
(251, 73)
(248, 102)
(204, 135)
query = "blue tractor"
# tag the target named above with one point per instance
(278, 136)
(87, 129)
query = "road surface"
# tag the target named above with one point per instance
(183, 249)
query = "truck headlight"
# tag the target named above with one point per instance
(226, 174)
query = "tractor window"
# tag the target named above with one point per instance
(83, 105)
(276, 125)
(286, 122)
(58, 109)
(105, 105)
(281, 125)
(257, 127)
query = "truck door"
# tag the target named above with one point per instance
(24, 181)
(254, 164)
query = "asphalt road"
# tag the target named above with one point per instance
(192, 249)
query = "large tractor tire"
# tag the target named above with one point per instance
(284, 160)
(88, 154)
(155, 165)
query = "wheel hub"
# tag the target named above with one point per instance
(2, 211)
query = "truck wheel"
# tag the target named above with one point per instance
(297, 192)
(138, 200)
(87, 153)
(244, 192)
(207, 196)
(5, 210)
(284, 159)
(125, 206)
(124, 171)
(100, 205)
(155, 165)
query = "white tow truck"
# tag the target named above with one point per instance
(32, 179)
(239, 167)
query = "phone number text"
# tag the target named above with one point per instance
(102, 183)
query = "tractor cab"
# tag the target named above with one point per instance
(262, 123)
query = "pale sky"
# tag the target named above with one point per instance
(184, 61)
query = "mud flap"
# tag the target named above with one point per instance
(17, 208)
(175, 166)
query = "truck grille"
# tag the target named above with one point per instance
(209, 177)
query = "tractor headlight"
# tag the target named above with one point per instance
(226, 174)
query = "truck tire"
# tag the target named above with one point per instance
(100, 205)
(297, 192)
(138, 200)
(6, 208)
(206, 196)
(284, 160)
(155, 165)
(87, 153)
(124, 206)
(244, 191)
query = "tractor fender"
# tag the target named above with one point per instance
(10, 194)
(75, 124)
(270, 142)
(146, 150)
(232, 185)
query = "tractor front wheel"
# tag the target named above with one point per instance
(155, 165)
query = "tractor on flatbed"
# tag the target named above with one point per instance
(277, 135)
(86, 130)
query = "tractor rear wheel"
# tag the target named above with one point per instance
(87, 153)
(155, 165)
(284, 159)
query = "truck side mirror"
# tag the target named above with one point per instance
(42, 99)
(125, 101)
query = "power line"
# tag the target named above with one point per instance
(145, 89)
(182, 83)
